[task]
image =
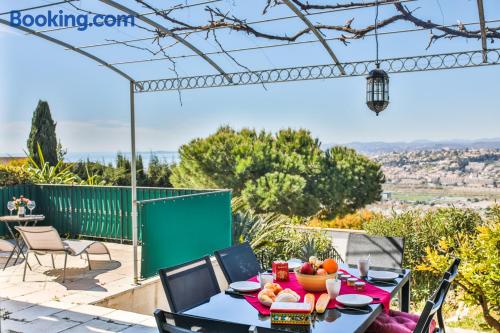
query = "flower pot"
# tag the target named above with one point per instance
(21, 211)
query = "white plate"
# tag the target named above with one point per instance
(294, 263)
(382, 275)
(245, 286)
(354, 300)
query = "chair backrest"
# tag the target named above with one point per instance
(190, 284)
(238, 263)
(432, 306)
(41, 238)
(384, 252)
(168, 322)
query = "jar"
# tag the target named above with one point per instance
(359, 285)
(351, 281)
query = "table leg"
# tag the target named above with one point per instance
(405, 297)
(16, 245)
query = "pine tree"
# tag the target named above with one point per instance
(43, 133)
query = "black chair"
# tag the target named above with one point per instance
(384, 252)
(181, 323)
(190, 284)
(432, 307)
(238, 263)
(449, 275)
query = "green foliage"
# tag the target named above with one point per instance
(156, 175)
(422, 230)
(43, 133)
(286, 173)
(280, 192)
(45, 173)
(10, 175)
(479, 272)
(349, 181)
(273, 237)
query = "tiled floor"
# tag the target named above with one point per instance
(44, 304)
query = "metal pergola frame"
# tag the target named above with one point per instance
(339, 69)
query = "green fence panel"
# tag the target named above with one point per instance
(88, 211)
(183, 228)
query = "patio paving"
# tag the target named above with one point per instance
(44, 303)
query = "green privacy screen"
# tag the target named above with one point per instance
(179, 229)
(89, 211)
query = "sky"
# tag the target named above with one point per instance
(91, 103)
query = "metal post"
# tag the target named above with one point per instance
(482, 25)
(133, 182)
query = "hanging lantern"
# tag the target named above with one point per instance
(377, 90)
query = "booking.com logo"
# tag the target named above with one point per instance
(59, 19)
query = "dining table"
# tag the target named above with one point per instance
(10, 222)
(233, 308)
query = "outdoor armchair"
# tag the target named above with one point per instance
(190, 284)
(384, 252)
(168, 322)
(238, 262)
(46, 240)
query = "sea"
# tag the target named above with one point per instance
(110, 157)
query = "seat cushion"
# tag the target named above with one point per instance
(397, 322)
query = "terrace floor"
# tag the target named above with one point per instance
(44, 303)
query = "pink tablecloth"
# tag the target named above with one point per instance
(380, 295)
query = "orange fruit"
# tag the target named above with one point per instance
(330, 266)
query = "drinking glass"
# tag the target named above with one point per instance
(31, 205)
(265, 278)
(333, 287)
(363, 267)
(11, 206)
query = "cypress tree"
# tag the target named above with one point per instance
(43, 133)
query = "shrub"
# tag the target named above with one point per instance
(479, 272)
(286, 172)
(10, 175)
(273, 237)
(350, 221)
(423, 230)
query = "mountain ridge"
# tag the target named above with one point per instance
(379, 147)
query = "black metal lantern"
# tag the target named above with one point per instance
(377, 90)
(377, 81)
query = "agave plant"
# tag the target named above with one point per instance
(44, 173)
(93, 179)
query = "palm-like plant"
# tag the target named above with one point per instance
(44, 173)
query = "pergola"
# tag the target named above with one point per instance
(161, 25)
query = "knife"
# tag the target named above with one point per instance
(235, 293)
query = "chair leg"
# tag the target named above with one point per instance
(64, 269)
(39, 263)
(8, 259)
(88, 259)
(25, 265)
(53, 264)
(440, 321)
